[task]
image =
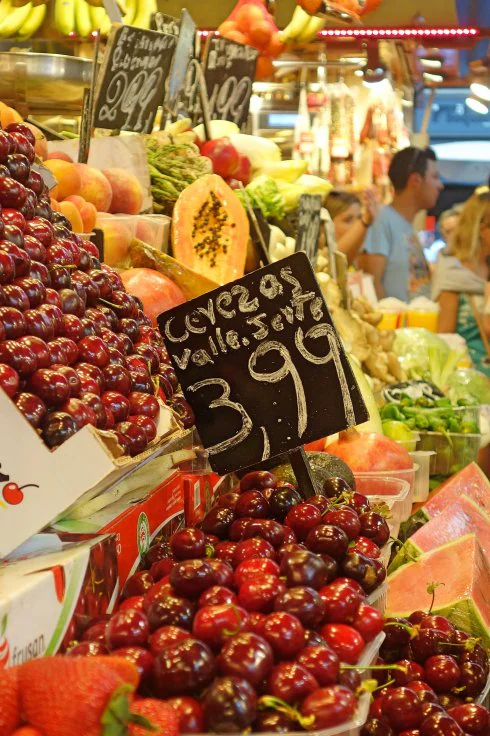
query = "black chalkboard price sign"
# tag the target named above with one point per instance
(309, 224)
(262, 365)
(131, 83)
(229, 74)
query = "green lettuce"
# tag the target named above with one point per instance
(263, 193)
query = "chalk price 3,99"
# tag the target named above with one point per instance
(262, 365)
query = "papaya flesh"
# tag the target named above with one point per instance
(210, 230)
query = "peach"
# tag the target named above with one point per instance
(55, 206)
(59, 156)
(69, 180)
(95, 187)
(77, 200)
(8, 115)
(41, 145)
(69, 210)
(89, 216)
(127, 192)
(117, 239)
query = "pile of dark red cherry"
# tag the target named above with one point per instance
(75, 347)
(435, 673)
(259, 618)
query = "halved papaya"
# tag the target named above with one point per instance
(210, 230)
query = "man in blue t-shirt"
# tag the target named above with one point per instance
(393, 253)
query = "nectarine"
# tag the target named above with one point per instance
(69, 210)
(67, 176)
(95, 187)
(127, 192)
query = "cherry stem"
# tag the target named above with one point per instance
(228, 632)
(412, 630)
(270, 701)
(431, 589)
(110, 304)
(381, 667)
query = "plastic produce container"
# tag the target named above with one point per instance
(422, 459)
(484, 697)
(453, 451)
(154, 230)
(379, 597)
(393, 487)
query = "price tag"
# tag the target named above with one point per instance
(164, 23)
(309, 224)
(261, 364)
(131, 83)
(229, 74)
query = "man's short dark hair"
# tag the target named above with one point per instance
(409, 161)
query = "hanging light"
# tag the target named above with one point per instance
(477, 105)
(481, 90)
(431, 59)
(375, 71)
(432, 77)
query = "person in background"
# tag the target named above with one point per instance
(461, 276)
(352, 217)
(393, 253)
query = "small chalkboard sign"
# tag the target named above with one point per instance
(261, 364)
(164, 23)
(131, 83)
(229, 73)
(309, 225)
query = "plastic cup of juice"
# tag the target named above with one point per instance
(390, 320)
(423, 318)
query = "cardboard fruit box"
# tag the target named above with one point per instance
(48, 598)
(37, 484)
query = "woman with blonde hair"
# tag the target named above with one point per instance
(461, 275)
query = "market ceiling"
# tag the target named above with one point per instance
(391, 13)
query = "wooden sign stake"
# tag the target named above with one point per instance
(203, 96)
(302, 470)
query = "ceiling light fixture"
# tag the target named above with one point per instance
(434, 78)
(477, 105)
(481, 90)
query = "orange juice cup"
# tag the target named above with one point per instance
(423, 318)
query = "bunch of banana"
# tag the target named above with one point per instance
(83, 18)
(20, 21)
(302, 27)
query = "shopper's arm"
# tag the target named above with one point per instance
(351, 243)
(374, 264)
(448, 315)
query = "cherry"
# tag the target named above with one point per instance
(257, 480)
(374, 527)
(366, 547)
(229, 704)
(12, 321)
(214, 624)
(57, 428)
(424, 692)
(304, 568)
(402, 709)
(95, 403)
(127, 629)
(137, 584)
(170, 610)
(246, 655)
(252, 548)
(313, 639)
(222, 572)
(94, 351)
(273, 721)
(361, 568)
(411, 671)
(19, 357)
(14, 296)
(304, 603)
(440, 724)
(302, 519)
(188, 544)
(375, 727)
(117, 378)
(397, 633)
(183, 410)
(442, 673)
(285, 634)
(251, 568)
(267, 529)
(282, 500)
(33, 409)
(225, 551)
(183, 668)
(426, 643)
(41, 229)
(259, 593)
(22, 261)
(329, 706)
(290, 682)
(438, 622)
(164, 637)
(141, 403)
(345, 641)
(7, 268)
(87, 649)
(150, 354)
(237, 529)
(322, 662)
(161, 568)
(9, 379)
(341, 603)
(142, 659)
(473, 719)
(190, 712)
(473, 678)
(136, 602)
(218, 521)
(117, 404)
(52, 387)
(217, 595)
(344, 518)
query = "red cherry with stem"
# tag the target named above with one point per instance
(251, 568)
(303, 518)
(146, 404)
(344, 640)
(252, 504)
(9, 379)
(290, 682)
(246, 655)
(225, 551)
(127, 629)
(260, 593)
(215, 624)
(117, 404)
(166, 636)
(285, 634)
(344, 518)
(217, 595)
(321, 662)
(407, 671)
(438, 622)
(402, 709)
(252, 548)
(341, 603)
(329, 706)
(366, 547)
(440, 724)
(473, 719)
(183, 668)
(326, 539)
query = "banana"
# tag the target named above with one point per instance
(144, 10)
(83, 21)
(309, 32)
(15, 19)
(34, 21)
(100, 20)
(64, 16)
(131, 9)
(296, 25)
(5, 8)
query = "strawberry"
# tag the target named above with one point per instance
(63, 695)
(9, 701)
(27, 731)
(159, 714)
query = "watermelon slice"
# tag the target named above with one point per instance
(465, 596)
(470, 480)
(460, 518)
